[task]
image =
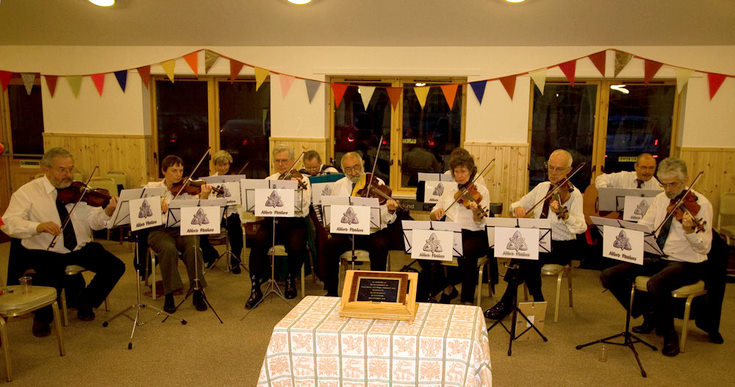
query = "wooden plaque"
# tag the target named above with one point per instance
(387, 295)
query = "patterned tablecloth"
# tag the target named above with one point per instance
(445, 345)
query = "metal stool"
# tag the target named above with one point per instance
(73, 270)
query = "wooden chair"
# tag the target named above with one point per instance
(559, 272)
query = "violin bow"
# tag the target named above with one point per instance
(678, 202)
(375, 165)
(68, 216)
(464, 189)
(556, 188)
(243, 168)
(294, 164)
(188, 178)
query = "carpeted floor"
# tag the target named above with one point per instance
(205, 352)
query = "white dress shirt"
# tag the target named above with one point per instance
(303, 197)
(458, 213)
(231, 209)
(35, 203)
(343, 187)
(168, 196)
(561, 230)
(679, 245)
(625, 179)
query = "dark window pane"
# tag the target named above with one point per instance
(244, 117)
(26, 120)
(638, 122)
(182, 122)
(429, 134)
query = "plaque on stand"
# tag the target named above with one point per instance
(385, 295)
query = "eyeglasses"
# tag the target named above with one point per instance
(555, 169)
(670, 185)
(355, 169)
(281, 161)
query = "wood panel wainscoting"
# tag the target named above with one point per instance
(299, 145)
(132, 154)
(507, 179)
(718, 165)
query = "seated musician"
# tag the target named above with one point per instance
(377, 244)
(291, 232)
(470, 215)
(564, 229)
(642, 178)
(167, 242)
(313, 165)
(685, 250)
(36, 214)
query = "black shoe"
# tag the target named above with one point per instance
(671, 344)
(85, 312)
(499, 311)
(290, 287)
(235, 266)
(447, 298)
(40, 329)
(198, 300)
(646, 327)
(168, 303)
(255, 296)
(716, 337)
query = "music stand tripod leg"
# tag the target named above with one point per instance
(272, 285)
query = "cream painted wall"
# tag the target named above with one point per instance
(498, 119)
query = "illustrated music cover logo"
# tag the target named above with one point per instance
(516, 242)
(439, 190)
(622, 242)
(224, 191)
(349, 217)
(432, 244)
(641, 209)
(200, 218)
(327, 191)
(145, 210)
(274, 200)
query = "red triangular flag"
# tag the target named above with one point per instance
(569, 68)
(145, 74)
(650, 68)
(5, 78)
(193, 61)
(51, 83)
(338, 89)
(509, 83)
(99, 82)
(598, 59)
(450, 91)
(394, 93)
(235, 68)
(715, 81)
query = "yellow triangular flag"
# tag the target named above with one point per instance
(168, 67)
(539, 79)
(28, 80)
(682, 77)
(421, 93)
(209, 59)
(621, 60)
(75, 82)
(366, 93)
(260, 75)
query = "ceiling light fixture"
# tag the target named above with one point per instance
(620, 88)
(420, 84)
(515, 1)
(102, 3)
(299, 2)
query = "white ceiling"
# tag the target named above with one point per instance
(369, 23)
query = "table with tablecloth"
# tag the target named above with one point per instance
(313, 346)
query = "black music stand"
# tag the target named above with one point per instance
(237, 197)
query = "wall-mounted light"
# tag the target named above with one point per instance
(620, 88)
(102, 3)
(420, 84)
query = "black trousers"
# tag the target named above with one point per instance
(290, 232)
(377, 245)
(233, 225)
(49, 267)
(657, 303)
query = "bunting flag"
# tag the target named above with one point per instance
(168, 68)
(193, 61)
(122, 78)
(145, 74)
(260, 75)
(1, 222)
(5, 78)
(715, 81)
(394, 93)
(366, 93)
(209, 59)
(598, 59)
(338, 89)
(621, 60)
(51, 84)
(539, 79)
(311, 88)
(421, 93)
(479, 89)
(509, 83)
(75, 83)
(682, 77)
(235, 68)
(99, 82)
(650, 68)
(286, 81)
(569, 68)
(450, 91)
(28, 80)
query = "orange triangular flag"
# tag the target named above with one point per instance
(99, 82)
(193, 61)
(509, 83)
(286, 81)
(598, 59)
(394, 93)
(338, 89)
(650, 68)
(168, 68)
(51, 83)
(421, 93)
(209, 59)
(450, 91)
(715, 81)
(145, 74)
(235, 68)
(569, 68)
(621, 60)
(28, 80)
(260, 75)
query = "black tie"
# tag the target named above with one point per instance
(70, 238)
(663, 234)
(639, 182)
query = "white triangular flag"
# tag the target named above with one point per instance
(539, 79)
(28, 80)
(682, 77)
(366, 93)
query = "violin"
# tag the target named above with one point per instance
(374, 189)
(686, 202)
(194, 187)
(95, 197)
(468, 194)
(562, 194)
(294, 174)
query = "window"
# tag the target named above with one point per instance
(26, 121)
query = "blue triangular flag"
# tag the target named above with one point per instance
(311, 88)
(479, 89)
(122, 78)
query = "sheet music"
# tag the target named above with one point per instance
(121, 216)
(410, 225)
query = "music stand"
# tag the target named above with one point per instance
(230, 184)
(373, 208)
(408, 226)
(120, 217)
(431, 186)
(613, 199)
